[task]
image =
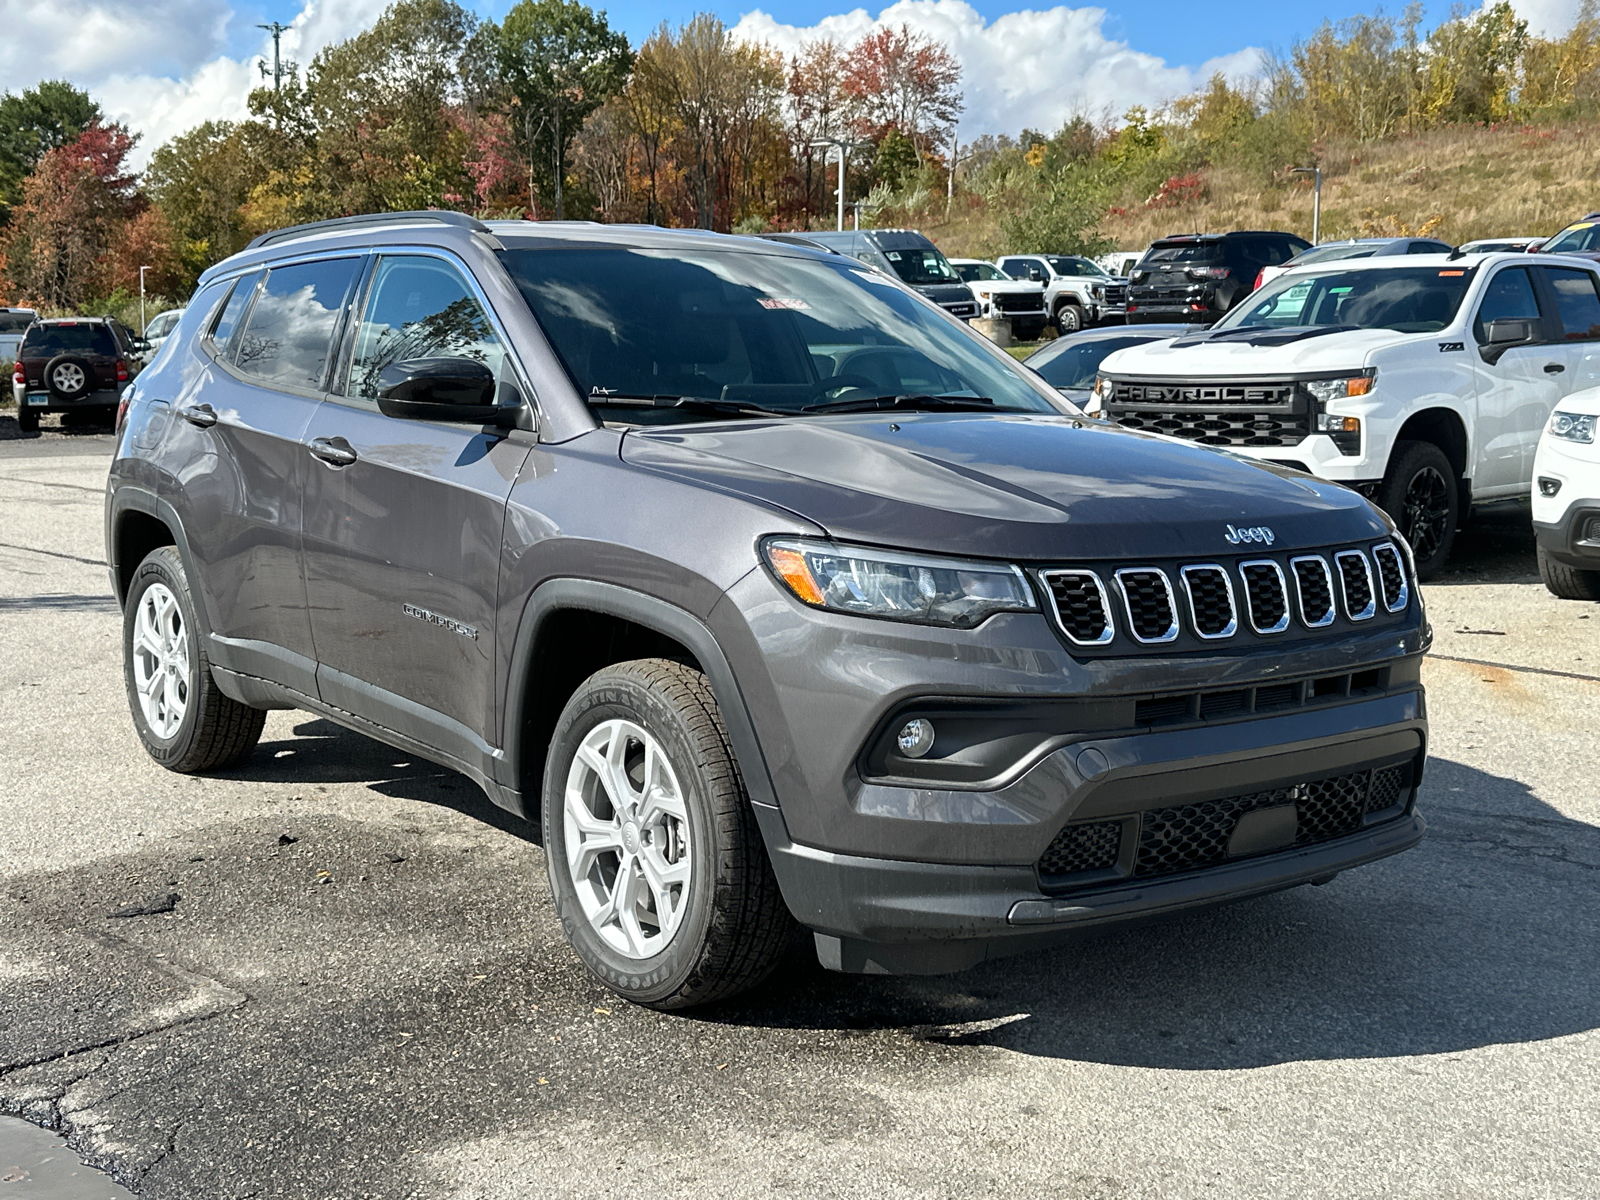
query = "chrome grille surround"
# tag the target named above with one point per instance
(1317, 563)
(1249, 595)
(1212, 569)
(1171, 632)
(1395, 569)
(1050, 577)
(1370, 609)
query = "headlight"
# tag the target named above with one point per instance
(1572, 427)
(1337, 389)
(982, 295)
(900, 587)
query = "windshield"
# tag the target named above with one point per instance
(640, 330)
(1407, 300)
(921, 266)
(12, 322)
(1333, 253)
(1075, 364)
(978, 272)
(1578, 238)
(1184, 252)
(1072, 265)
(45, 340)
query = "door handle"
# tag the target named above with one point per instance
(201, 415)
(334, 451)
(1553, 368)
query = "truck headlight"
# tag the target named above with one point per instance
(1337, 389)
(1572, 427)
(899, 587)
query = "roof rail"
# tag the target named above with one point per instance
(443, 216)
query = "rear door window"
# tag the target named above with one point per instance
(1577, 301)
(47, 341)
(288, 338)
(1509, 297)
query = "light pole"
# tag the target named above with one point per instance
(1316, 199)
(143, 324)
(844, 149)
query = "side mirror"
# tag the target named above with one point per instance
(1503, 335)
(1035, 275)
(142, 345)
(441, 389)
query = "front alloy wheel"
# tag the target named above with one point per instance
(162, 675)
(627, 839)
(1427, 511)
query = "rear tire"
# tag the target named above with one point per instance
(27, 418)
(1419, 492)
(184, 720)
(1569, 583)
(660, 877)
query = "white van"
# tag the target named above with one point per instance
(1423, 381)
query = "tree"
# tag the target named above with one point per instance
(819, 107)
(903, 80)
(561, 61)
(202, 181)
(34, 123)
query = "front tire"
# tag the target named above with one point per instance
(1568, 583)
(660, 877)
(1069, 319)
(184, 720)
(1419, 491)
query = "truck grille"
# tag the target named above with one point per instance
(1115, 295)
(1193, 837)
(1264, 413)
(1019, 303)
(1148, 611)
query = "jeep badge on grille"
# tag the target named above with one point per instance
(1255, 533)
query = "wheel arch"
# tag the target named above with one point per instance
(571, 628)
(1442, 426)
(140, 522)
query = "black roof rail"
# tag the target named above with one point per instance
(443, 216)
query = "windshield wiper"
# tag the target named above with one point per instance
(906, 401)
(732, 408)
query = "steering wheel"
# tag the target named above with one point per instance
(836, 382)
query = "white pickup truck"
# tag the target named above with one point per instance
(14, 323)
(1077, 291)
(1424, 380)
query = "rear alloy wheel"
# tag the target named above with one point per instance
(184, 720)
(1069, 318)
(659, 874)
(1419, 492)
(1569, 583)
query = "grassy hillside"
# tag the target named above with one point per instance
(1458, 183)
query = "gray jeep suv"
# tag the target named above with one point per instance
(775, 595)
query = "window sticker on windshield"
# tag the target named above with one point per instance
(784, 302)
(1341, 291)
(892, 255)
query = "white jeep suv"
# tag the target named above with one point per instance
(1424, 381)
(1566, 498)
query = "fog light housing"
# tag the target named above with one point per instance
(1548, 487)
(915, 738)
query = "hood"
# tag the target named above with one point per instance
(1345, 350)
(1022, 487)
(944, 291)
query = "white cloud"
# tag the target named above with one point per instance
(1547, 18)
(1031, 68)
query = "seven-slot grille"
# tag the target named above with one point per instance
(1192, 837)
(1213, 595)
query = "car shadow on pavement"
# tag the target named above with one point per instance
(1487, 933)
(323, 752)
(1497, 546)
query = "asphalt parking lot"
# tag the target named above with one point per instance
(360, 991)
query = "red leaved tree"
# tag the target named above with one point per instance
(899, 79)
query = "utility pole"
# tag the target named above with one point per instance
(277, 29)
(950, 177)
(143, 324)
(1316, 199)
(844, 149)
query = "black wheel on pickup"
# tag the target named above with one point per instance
(1419, 491)
(660, 877)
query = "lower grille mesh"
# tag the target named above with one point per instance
(1192, 837)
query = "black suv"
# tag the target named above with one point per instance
(72, 364)
(1196, 277)
(777, 595)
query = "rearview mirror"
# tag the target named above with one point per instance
(441, 389)
(1503, 335)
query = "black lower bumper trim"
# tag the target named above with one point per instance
(1570, 541)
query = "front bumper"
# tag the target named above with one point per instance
(1573, 539)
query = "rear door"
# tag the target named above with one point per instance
(403, 520)
(1517, 391)
(243, 420)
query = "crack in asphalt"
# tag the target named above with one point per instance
(93, 562)
(1503, 666)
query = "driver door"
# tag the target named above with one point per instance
(403, 521)
(1525, 380)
